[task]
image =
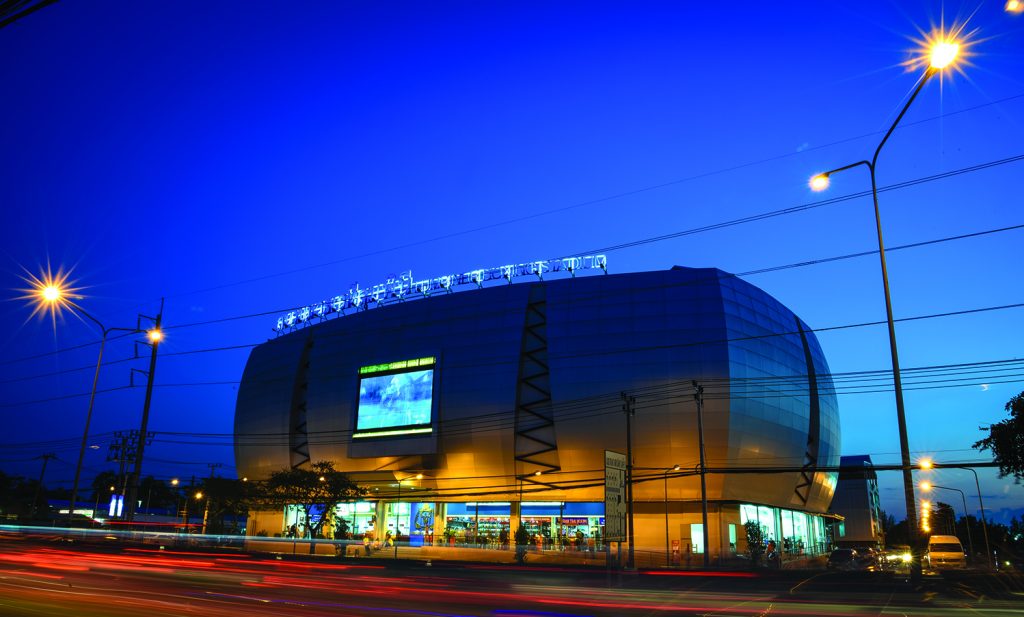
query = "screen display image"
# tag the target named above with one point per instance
(395, 400)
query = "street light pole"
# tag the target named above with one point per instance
(967, 522)
(92, 399)
(984, 523)
(629, 408)
(820, 182)
(39, 486)
(668, 558)
(698, 396)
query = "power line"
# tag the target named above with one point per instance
(804, 207)
(581, 204)
(647, 241)
(634, 349)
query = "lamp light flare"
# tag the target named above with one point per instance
(926, 486)
(155, 336)
(819, 182)
(925, 464)
(1014, 6)
(942, 54)
(49, 292)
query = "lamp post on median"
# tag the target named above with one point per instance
(668, 555)
(927, 486)
(942, 54)
(927, 464)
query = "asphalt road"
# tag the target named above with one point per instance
(38, 578)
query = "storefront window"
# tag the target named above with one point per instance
(697, 537)
(766, 516)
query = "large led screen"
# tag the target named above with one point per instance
(395, 398)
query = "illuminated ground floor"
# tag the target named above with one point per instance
(666, 532)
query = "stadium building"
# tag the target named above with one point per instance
(465, 414)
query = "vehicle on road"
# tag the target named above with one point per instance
(945, 553)
(843, 559)
(867, 558)
(896, 556)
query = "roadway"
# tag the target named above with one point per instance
(55, 578)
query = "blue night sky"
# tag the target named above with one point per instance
(239, 158)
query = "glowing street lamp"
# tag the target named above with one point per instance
(54, 293)
(1014, 6)
(941, 54)
(928, 486)
(927, 464)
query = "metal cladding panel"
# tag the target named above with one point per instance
(475, 337)
(770, 400)
(648, 334)
(263, 406)
(830, 444)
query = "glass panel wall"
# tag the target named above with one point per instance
(801, 533)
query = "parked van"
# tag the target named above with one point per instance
(945, 552)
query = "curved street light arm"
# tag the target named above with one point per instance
(920, 84)
(850, 166)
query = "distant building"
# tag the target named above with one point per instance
(856, 499)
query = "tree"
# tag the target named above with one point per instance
(522, 538)
(16, 494)
(157, 493)
(943, 519)
(888, 522)
(317, 489)
(756, 533)
(228, 496)
(1006, 440)
(102, 482)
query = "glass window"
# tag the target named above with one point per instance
(766, 516)
(732, 537)
(697, 537)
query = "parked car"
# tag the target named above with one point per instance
(867, 558)
(843, 559)
(945, 553)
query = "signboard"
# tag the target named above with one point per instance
(405, 287)
(614, 496)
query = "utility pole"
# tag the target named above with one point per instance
(35, 500)
(629, 408)
(699, 397)
(154, 342)
(206, 510)
(188, 495)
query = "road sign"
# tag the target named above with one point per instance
(614, 496)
